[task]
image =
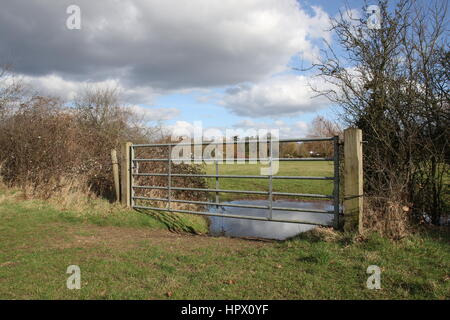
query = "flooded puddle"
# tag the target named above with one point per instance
(235, 227)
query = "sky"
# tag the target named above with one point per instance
(225, 63)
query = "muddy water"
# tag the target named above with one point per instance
(263, 229)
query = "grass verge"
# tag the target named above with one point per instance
(82, 209)
(132, 256)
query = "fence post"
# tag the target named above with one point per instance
(115, 169)
(353, 180)
(125, 169)
(336, 193)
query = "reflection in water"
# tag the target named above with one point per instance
(265, 229)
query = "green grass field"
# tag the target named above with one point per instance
(287, 168)
(125, 254)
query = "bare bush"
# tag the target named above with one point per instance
(392, 83)
(37, 142)
(49, 148)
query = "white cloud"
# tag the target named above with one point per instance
(154, 114)
(55, 85)
(319, 24)
(242, 128)
(188, 129)
(298, 129)
(275, 97)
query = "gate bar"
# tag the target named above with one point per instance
(311, 195)
(231, 176)
(235, 159)
(229, 142)
(223, 204)
(270, 181)
(232, 216)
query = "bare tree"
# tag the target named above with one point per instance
(322, 127)
(99, 108)
(392, 82)
(11, 91)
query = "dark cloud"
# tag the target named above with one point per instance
(163, 44)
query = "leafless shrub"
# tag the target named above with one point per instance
(392, 83)
(53, 150)
(38, 142)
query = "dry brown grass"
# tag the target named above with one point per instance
(323, 234)
(388, 217)
(326, 234)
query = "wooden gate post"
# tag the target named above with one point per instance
(125, 173)
(353, 180)
(115, 168)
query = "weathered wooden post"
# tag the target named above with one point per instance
(353, 180)
(125, 169)
(115, 169)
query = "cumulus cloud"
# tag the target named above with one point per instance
(320, 24)
(297, 130)
(275, 97)
(196, 129)
(154, 114)
(243, 128)
(55, 85)
(163, 44)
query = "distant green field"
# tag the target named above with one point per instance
(287, 168)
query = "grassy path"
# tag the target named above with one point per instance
(136, 257)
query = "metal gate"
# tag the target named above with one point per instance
(134, 165)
